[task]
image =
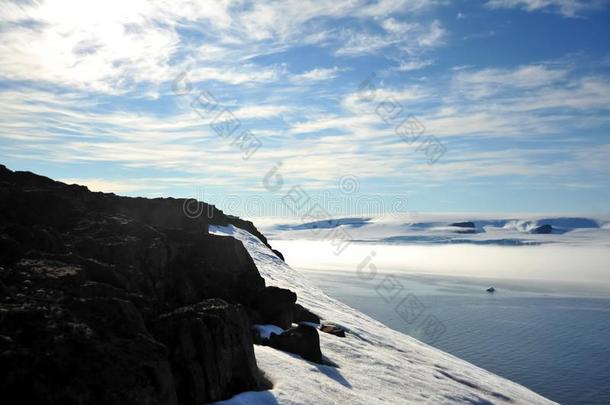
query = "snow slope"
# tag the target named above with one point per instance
(375, 363)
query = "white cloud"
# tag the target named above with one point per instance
(486, 82)
(568, 8)
(244, 74)
(120, 46)
(317, 74)
(383, 8)
(102, 46)
(260, 111)
(410, 38)
(415, 64)
(116, 186)
(394, 26)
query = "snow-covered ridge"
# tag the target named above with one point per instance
(444, 229)
(375, 363)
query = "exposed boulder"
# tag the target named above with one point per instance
(275, 306)
(302, 314)
(302, 340)
(333, 329)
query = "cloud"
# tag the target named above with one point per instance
(97, 46)
(533, 87)
(260, 111)
(567, 8)
(242, 75)
(384, 8)
(119, 47)
(485, 82)
(116, 186)
(90, 84)
(407, 38)
(316, 74)
(407, 66)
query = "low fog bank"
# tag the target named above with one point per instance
(577, 265)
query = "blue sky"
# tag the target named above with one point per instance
(505, 102)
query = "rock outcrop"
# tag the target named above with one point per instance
(302, 314)
(210, 354)
(302, 340)
(108, 299)
(275, 306)
(333, 329)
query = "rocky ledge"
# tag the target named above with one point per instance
(108, 299)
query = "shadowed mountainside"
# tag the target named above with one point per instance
(109, 299)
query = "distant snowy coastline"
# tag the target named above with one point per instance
(447, 228)
(552, 248)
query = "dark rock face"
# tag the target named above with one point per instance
(275, 306)
(210, 353)
(107, 299)
(302, 314)
(89, 351)
(302, 340)
(543, 229)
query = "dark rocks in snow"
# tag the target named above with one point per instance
(275, 306)
(333, 329)
(278, 254)
(108, 299)
(543, 229)
(302, 314)
(302, 340)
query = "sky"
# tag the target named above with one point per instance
(402, 105)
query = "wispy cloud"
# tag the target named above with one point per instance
(316, 74)
(568, 8)
(89, 84)
(405, 37)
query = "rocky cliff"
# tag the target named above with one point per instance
(109, 299)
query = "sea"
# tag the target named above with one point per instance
(552, 338)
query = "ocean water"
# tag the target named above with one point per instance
(553, 339)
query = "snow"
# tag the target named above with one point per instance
(375, 363)
(265, 331)
(438, 229)
(499, 248)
